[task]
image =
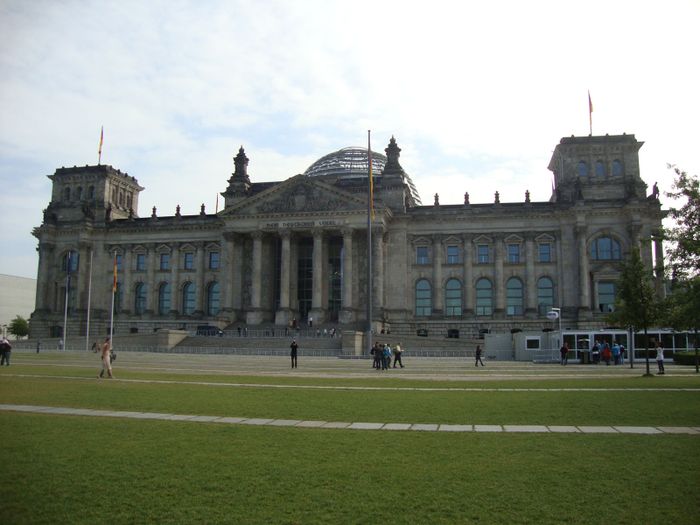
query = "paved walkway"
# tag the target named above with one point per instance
(421, 427)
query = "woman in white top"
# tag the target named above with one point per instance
(660, 358)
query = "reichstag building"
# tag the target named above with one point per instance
(283, 253)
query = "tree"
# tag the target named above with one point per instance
(636, 304)
(684, 251)
(19, 327)
(682, 310)
(683, 304)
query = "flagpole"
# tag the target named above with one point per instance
(590, 113)
(87, 327)
(114, 292)
(370, 210)
(65, 306)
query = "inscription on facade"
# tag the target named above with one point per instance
(300, 224)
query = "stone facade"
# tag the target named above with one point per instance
(298, 249)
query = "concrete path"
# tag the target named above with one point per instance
(418, 427)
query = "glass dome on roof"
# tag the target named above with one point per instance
(348, 163)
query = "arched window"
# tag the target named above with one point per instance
(617, 168)
(545, 295)
(91, 192)
(140, 299)
(514, 296)
(213, 298)
(484, 297)
(599, 168)
(453, 297)
(164, 299)
(605, 249)
(70, 261)
(424, 298)
(582, 169)
(188, 298)
(66, 194)
(79, 193)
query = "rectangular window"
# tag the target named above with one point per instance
(606, 297)
(422, 255)
(453, 255)
(165, 261)
(514, 253)
(545, 252)
(482, 254)
(213, 260)
(188, 262)
(140, 262)
(119, 262)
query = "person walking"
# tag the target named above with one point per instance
(564, 351)
(477, 355)
(38, 346)
(294, 348)
(106, 361)
(660, 358)
(6, 350)
(397, 355)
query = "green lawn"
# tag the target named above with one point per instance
(68, 469)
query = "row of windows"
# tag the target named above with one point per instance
(67, 193)
(515, 297)
(484, 254)
(164, 261)
(484, 297)
(602, 249)
(188, 298)
(600, 168)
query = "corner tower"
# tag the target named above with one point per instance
(597, 168)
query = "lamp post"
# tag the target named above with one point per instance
(557, 315)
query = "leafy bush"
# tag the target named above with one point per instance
(684, 358)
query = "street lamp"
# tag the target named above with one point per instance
(555, 313)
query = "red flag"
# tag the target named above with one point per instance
(99, 150)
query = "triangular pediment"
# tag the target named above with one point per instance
(300, 194)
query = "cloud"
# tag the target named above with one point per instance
(477, 94)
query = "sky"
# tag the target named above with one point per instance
(477, 94)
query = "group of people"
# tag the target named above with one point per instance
(6, 351)
(602, 351)
(382, 355)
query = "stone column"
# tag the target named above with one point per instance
(531, 285)
(584, 302)
(317, 311)
(254, 316)
(347, 313)
(127, 292)
(200, 306)
(499, 285)
(438, 290)
(175, 279)
(659, 273)
(43, 287)
(83, 278)
(228, 261)
(151, 285)
(282, 316)
(567, 285)
(378, 273)
(468, 285)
